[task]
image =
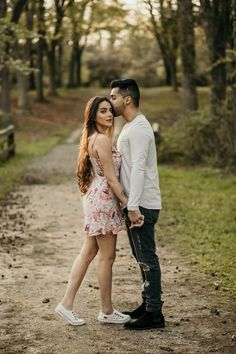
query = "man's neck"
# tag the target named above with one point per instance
(130, 115)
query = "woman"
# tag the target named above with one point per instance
(98, 173)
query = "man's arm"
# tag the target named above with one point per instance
(139, 141)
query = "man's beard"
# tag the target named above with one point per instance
(119, 110)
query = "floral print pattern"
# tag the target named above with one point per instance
(101, 207)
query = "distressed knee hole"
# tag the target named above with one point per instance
(144, 266)
(146, 284)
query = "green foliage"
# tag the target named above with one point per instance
(104, 67)
(142, 56)
(200, 137)
(5, 118)
(229, 59)
(187, 139)
(111, 20)
(199, 209)
(133, 56)
(13, 35)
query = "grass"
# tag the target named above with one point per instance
(199, 218)
(12, 170)
(163, 105)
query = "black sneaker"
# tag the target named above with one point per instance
(137, 313)
(147, 321)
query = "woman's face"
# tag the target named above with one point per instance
(104, 116)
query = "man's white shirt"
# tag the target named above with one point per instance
(139, 174)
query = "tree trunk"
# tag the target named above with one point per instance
(30, 48)
(168, 46)
(167, 72)
(169, 61)
(218, 73)
(173, 70)
(33, 65)
(234, 63)
(52, 70)
(72, 63)
(79, 54)
(216, 17)
(187, 41)
(39, 75)
(5, 94)
(52, 48)
(23, 86)
(78, 68)
(71, 83)
(4, 74)
(32, 83)
(60, 81)
(40, 52)
(3, 8)
(17, 10)
(23, 79)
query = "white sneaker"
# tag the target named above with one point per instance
(115, 317)
(69, 316)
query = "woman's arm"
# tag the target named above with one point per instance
(103, 149)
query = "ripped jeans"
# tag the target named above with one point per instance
(142, 242)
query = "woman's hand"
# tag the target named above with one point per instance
(136, 218)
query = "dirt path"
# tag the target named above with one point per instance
(40, 236)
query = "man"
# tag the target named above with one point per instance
(139, 178)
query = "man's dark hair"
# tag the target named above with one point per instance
(128, 87)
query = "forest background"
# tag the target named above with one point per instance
(182, 54)
(182, 44)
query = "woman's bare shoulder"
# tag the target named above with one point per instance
(103, 140)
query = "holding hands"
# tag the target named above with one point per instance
(136, 218)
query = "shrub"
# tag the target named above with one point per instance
(200, 137)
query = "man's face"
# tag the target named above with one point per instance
(118, 101)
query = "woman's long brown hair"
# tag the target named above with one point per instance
(84, 168)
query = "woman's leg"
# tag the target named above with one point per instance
(78, 271)
(107, 253)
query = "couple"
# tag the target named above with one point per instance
(111, 180)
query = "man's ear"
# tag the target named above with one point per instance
(128, 100)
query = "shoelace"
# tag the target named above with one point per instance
(75, 317)
(118, 314)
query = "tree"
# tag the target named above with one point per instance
(54, 43)
(215, 15)
(187, 46)
(234, 62)
(18, 10)
(40, 50)
(165, 30)
(140, 56)
(88, 17)
(4, 74)
(25, 51)
(80, 29)
(9, 35)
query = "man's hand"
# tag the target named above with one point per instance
(136, 218)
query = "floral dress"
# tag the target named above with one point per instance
(102, 212)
